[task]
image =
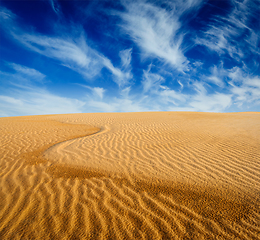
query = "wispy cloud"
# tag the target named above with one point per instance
(122, 74)
(151, 81)
(157, 31)
(155, 97)
(26, 95)
(35, 101)
(217, 39)
(6, 15)
(55, 6)
(116, 105)
(153, 85)
(226, 34)
(215, 102)
(241, 87)
(72, 53)
(217, 75)
(122, 103)
(70, 50)
(97, 91)
(78, 56)
(171, 96)
(20, 74)
(26, 72)
(246, 90)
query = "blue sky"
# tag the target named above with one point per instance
(129, 56)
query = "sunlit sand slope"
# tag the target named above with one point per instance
(130, 176)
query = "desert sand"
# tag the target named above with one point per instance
(156, 175)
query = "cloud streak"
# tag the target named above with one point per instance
(155, 31)
(27, 72)
(55, 7)
(225, 34)
(36, 101)
(122, 75)
(71, 51)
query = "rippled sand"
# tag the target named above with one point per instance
(163, 175)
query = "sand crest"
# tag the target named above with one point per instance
(157, 175)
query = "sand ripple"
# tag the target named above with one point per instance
(130, 176)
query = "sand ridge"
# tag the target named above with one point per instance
(130, 176)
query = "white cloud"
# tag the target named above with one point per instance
(217, 102)
(22, 75)
(27, 72)
(227, 34)
(126, 57)
(253, 82)
(254, 40)
(247, 91)
(151, 82)
(125, 92)
(97, 91)
(180, 84)
(11, 100)
(169, 95)
(72, 52)
(242, 89)
(129, 105)
(216, 80)
(35, 101)
(217, 76)
(115, 105)
(55, 7)
(155, 31)
(217, 39)
(23, 97)
(122, 75)
(236, 74)
(78, 56)
(157, 95)
(162, 97)
(244, 86)
(100, 106)
(6, 14)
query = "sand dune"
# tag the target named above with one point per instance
(164, 175)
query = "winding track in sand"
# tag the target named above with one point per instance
(134, 176)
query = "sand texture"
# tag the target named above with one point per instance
(156, 175)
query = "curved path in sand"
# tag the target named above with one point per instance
(130, 176)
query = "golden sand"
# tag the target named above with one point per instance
(157, 175)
